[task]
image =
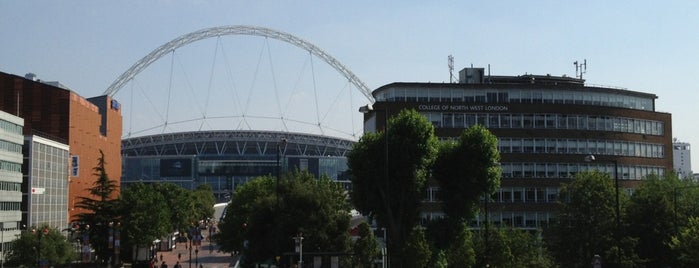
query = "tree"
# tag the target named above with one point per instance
(659, 207)
(366, 248)
(416, 251)
(460, 252)
(389, 172)
(514, 248)
(145, 215)
(204, 201)
(101, 207)
(53, 248)
(685, 244)
(181, 203)
(465, 170)
(586, 221)
(314, 208)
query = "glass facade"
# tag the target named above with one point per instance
(47, 175)
(514, 95)
(240, 161)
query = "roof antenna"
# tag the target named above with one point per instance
(450, 59)
(580, 68)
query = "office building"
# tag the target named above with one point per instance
(11, 141)
(546, 127)
(682, 159)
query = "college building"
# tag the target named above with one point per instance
(548, 129)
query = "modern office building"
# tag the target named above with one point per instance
(682, 159)
(45, 185)
(546, 126)
(53, 112)
(226, 159)
(11, 141)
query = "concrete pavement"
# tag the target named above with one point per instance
(208, 256)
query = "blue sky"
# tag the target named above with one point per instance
(648, 46)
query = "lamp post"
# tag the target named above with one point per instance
(299, 246)
(282, 143)
(368, 109)
(591, 158)
(191, 232)
(196, 254)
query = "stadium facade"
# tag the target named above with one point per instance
(226, 159)
(546, 128)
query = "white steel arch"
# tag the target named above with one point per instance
(235, 30)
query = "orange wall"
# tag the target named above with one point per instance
(86, 139)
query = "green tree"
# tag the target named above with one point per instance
(659, 207)
(685, 244)
(204, 201)
(180, 202)
(145, 216)
(54, 248)
(460, 252)
(416, 251)
(465, 170)
(315, 208)
(101, 209)
(513, 248)
(389, 173)
(366, 248)
(586, 221)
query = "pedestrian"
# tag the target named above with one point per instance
(177, 265)
(201, 266)
(163, 265)
(179, 256)
(161, 256)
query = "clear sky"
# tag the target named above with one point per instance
(647, 46)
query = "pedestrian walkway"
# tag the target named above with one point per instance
(208, 256)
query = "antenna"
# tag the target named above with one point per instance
(450, 59)
(580, 68)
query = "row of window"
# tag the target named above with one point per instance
(12, 147)
(507, 195)
(581, 146)
(503, 219)
(546, 121)
(568, 170)
(405, 94)
(11, 167)
(10, 206)
(10, 127)
(10, 186)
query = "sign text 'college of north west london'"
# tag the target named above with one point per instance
(470, 108)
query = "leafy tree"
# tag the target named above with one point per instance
(513, 248)
(586, 221)
(685, 244)
(366, 248)
(416, 251)
(54, 248)
(389, 173)
(181, 204)
(204, 201)
(316, 208)
(460, 252)
(145, 215)
(466, 170)
(101, 209)
(657, 209)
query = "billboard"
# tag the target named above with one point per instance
(176, 167)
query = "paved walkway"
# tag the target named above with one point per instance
(208, 257)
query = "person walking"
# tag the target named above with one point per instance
(163, 265)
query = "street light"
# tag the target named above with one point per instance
(299, 246)
(281, 143)
(591, 158)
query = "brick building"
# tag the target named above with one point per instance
(86, 125)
